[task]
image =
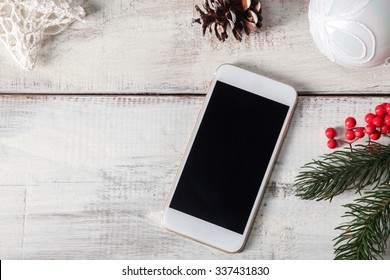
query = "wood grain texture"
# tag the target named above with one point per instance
(134, 46)
(87, 177)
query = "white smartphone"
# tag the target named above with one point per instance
(224, 171)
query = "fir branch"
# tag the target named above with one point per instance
(365, 236)
(356, 169)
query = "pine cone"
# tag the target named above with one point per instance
(238, 14)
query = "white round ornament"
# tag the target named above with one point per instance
(352, 33)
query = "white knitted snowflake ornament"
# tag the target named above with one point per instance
(25, 23)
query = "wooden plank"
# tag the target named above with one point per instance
(151, 47)
(87, 177)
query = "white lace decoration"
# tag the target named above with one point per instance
(25, 23)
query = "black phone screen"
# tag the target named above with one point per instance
(229, 157)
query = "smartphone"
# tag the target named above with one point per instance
(224, 171)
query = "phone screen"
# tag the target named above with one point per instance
(229, 157)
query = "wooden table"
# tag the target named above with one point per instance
(91, 139)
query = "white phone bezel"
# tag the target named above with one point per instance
(203, 231)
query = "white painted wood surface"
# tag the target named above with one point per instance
(86, 178)
(138, 46)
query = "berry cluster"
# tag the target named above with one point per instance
(377, 124)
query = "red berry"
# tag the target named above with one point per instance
(388, 108)
(376, 135)
(380, 110)
(332, 144)
(359, 132)
(387, 120)
(385, 129)
(369, 118)
(370, 129)
(378, 121)
(330, 132)
(350, 135)
(350, 122)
